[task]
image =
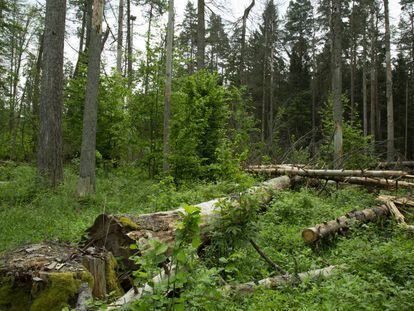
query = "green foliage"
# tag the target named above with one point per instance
(190, 286)
(29, 214)
(112, 127)
(358, 149)
(200, 144)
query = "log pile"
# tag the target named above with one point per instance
(386, 179)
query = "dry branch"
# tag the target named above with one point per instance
(342, 223)
(274, 282)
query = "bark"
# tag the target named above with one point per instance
(373, 80)
(353, 55)
(342, 223)
(201, 35)
(86, 183)
(337, 85)
(148, 49)
(305, 172)
(374, 182)
(33, 271)
(243, 78)
(276, 281)
(49, 154)
(405, 201)
(130, 19)
(120, 36)
(168, 82)
(117, 232)
(364, 85)
(406, 122)
(390, 104)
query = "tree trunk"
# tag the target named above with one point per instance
(243, 78)
(342, 224)
(390, 104)
(117, 232)
(364, 85)
(305, 172)
(49, 155)
(406, 122)
(86, 183)
(201, 32)
(337, 85)
(148, 50)
(168, 82)
(372, 76)
(280, 280)
(120, 36)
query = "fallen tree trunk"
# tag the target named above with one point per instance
(276, 281)
(342, 223)
(117, 232)
(376, 182)
(324, 173)
(405, 201)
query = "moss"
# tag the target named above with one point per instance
(13, 297)
(61, 290)
(128, 223)
(112, 283)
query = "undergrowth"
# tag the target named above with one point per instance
(378, 257)
(29, 214)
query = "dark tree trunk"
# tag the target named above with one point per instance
(49, 155)
(201, 39)
(243, 78)
(86, 183)
(390, 104)
(337, 85)
(120, 36)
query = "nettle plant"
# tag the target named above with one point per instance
(188, 283)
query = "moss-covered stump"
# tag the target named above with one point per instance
(41, 277)
(50, 276)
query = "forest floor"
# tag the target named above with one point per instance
(379, 257)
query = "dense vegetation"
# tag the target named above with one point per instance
(378, 257)
(130, 123)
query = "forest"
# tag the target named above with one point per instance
(206, 155)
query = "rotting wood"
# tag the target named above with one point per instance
(30, 275)
(342, 223)
(276, 281)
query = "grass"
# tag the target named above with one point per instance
(29, 214)
(379, 257)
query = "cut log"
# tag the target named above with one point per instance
(48, 276)
(275, 282)
(117, 232)
(342, 223)
(323, 173)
